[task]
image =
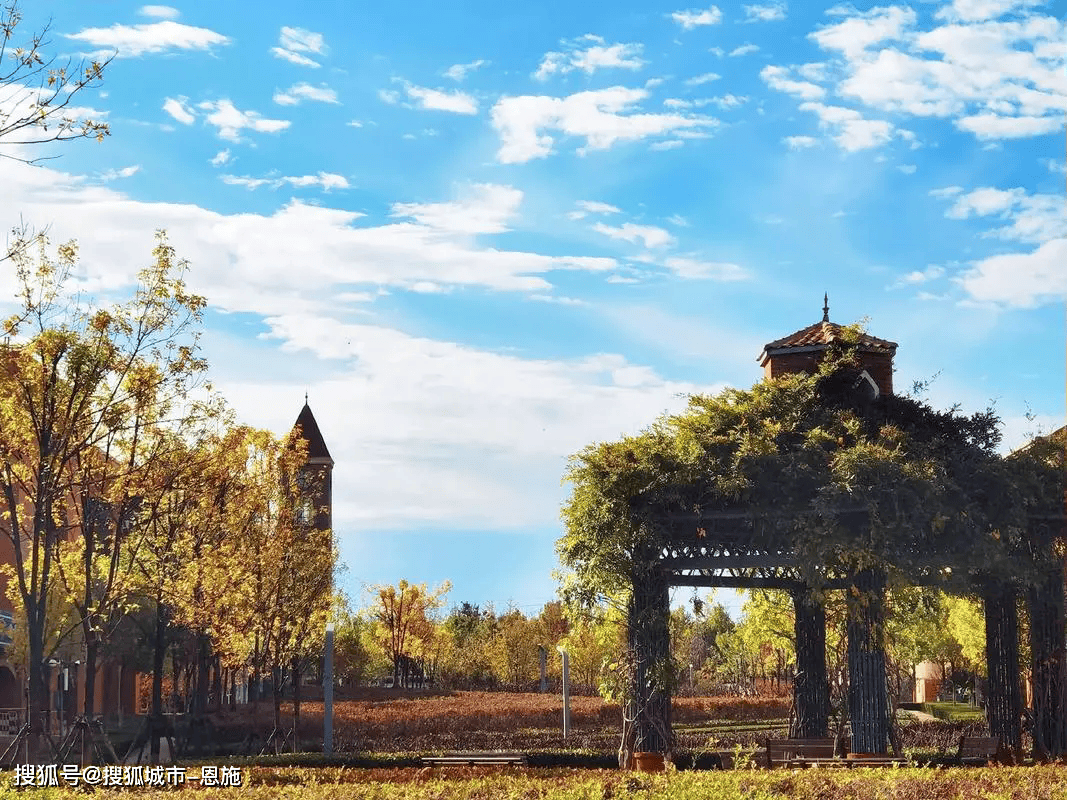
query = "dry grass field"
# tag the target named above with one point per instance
(390, 720)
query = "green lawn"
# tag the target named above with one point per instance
(954, 712)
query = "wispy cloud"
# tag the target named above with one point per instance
(700, 80)
(436, 100)
(159, 12)
(589, 53)
(221, 157)
(294, 95)
(323, 180)
(459, 72)
(766, 12)
(124, 172)
(649, 235)
(586, 207)
(743, 50)
(297, 45)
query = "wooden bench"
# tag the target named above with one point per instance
(977, 750)
(488, 759)
(796, 752)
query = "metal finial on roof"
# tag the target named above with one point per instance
(305, 397)
(825, 308)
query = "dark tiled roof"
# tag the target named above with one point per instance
(309, 428)
(823, 333)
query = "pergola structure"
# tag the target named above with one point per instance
(741, 547)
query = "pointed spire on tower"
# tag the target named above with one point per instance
(825, 307)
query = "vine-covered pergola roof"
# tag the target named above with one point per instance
(806, 478)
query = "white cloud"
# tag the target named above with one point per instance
(1054, 166)
(294, 58)
(459, 72)
(918, 277)
(303, 269)
(848, 127)
(159, 12)
(698, 17)
(602, 117)
(799, 142)
(993, 126)
(711, 270)
(354, 123)
(481, 209)
(125, 172)
(230, 121)
(700, 80)
(294, 45)
(667, 144)
(861, 30)
(589, 53)
(179, 109)
(131, 41)
(389, 96)
(743, 50)
(1022, 280)
(1033, 218)
(980, 10)
(552, 298)
(221, 157)
(729, 101)
(778, 78)
(297, 93)
(997, 78)
(766, 12)
(678, 220)
(649, 235)
(907, 169)
(244, 261)
(587, 207)
(435, 100)
(323, 180)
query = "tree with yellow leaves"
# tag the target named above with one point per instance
(72, 378)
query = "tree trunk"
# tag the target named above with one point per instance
(216, 683)
(296, 703)
(92, 649)
(38, 699)
(868, 700)
(159, 653)
(203, 667)
(1048, 667)
(277, 672)
(1003, 702)
(649, 703)
(811, 691)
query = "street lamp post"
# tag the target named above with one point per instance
(566, 691)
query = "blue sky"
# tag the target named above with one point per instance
(483, 235)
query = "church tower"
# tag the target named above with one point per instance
(316, 476)
(802, 351)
